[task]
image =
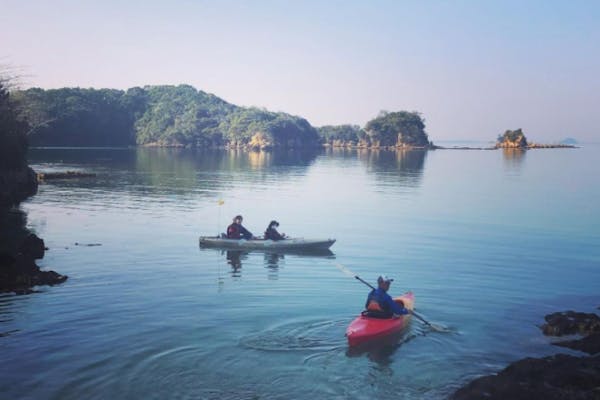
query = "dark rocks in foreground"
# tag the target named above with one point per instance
(16, 185)
(556, 377)
(19, 272)
(589, 344)
(551, 378)
(570, 322)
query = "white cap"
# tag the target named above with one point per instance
(384, 278)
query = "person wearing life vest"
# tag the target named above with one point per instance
(271, 232)
(380, 304)
(237, 231)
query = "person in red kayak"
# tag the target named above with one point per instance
(237, 231)
(380, 304)
(271, 232)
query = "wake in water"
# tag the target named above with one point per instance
(298, 336)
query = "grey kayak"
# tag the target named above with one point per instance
(261, 244)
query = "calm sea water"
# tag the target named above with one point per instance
(489, 241)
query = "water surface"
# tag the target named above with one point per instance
(489, 241)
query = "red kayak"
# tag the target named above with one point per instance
(364, 329)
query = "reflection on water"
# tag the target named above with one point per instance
(382, 350)
(150, 315)
(513, 159)
(234, 259)
(402, 167)
(167, 171)
(272, 261)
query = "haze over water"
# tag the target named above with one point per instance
(488, 241)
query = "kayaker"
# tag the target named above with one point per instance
(380, 304)
(271, 232)
(237, 231)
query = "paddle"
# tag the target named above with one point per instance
(432, 326)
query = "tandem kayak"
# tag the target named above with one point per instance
(293, 244)
(365, 329)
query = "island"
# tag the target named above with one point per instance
(517, 140)
(182, 116)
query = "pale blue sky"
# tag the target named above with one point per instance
(472, 68)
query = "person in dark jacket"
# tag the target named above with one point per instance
(380, 304)
(237, 231)
(271, 232)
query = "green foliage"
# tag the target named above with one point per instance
(343, 133)
(274, 129)
(158, 115)
(78, 117)
(181, 115)
(13, 132)
(515, 138)
(397, 128)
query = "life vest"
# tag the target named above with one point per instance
(374, 306)
(233, 231)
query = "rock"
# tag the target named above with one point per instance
(19, 272)
(570, 322)
(33, 246)
(589, 344)
(17, 185)
(512, 139)
(550, 378)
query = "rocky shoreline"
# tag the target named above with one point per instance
(560, 376)
(16, 185)
(19, 273)
(19, 248)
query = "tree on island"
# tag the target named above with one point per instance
(341, 135)
(178, 116)
(512, 139)
(397, 129)
(13, 132)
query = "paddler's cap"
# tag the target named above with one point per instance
(384, 278)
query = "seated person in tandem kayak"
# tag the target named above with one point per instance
(380, 304)
(271, 232)
(237, 231)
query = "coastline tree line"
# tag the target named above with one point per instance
(182, 116)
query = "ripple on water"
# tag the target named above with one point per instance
(305, 335)
(178, 373)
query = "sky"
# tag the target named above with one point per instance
(473, 69)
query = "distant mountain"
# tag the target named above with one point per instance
(570, 141)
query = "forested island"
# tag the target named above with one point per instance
(181, 116)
